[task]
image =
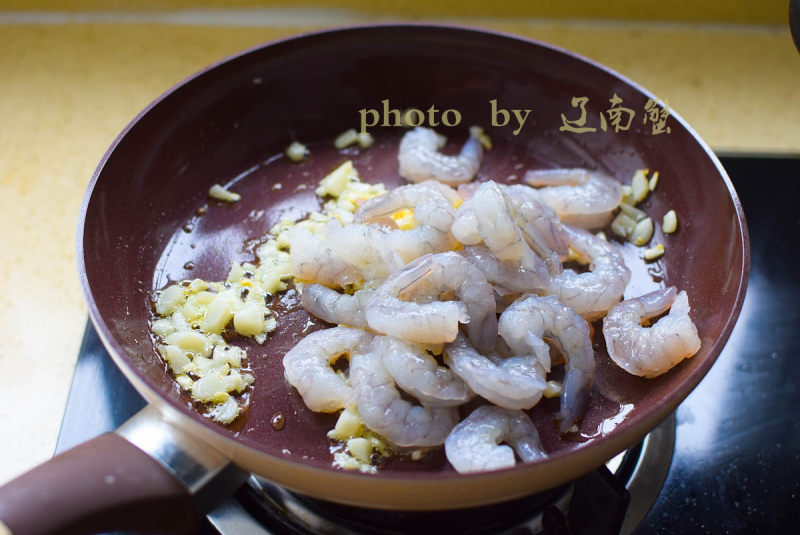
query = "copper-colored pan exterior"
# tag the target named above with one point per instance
(232, 119)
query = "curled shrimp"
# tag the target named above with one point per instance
(651, 351)
(528, 320)
(420, 159)
(507, 277)
(496, 225)
(312, 260)
(334, 307)
(537, 223)
(434, 213)
(307, 367)
(383, 410)
(580, 197)
(474, 445)
(516, 382)
(591, 294)
(417, 373)
(432, 321)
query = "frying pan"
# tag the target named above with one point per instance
(141, 228)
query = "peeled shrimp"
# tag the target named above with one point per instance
(432, 321)
(334, 307)
(417, 373)
(531, 318)
(384, 411)
(312, 260)
(474, 445)
(433, 213)
(583, 198)
(307, 367)
(539, 224)
(536, 221)
(591, 294)
(651, 351)
(420, 159)
(365, 248)
(507, 277)
(514, 382)
(496, 225)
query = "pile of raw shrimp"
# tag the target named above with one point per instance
(437, 288)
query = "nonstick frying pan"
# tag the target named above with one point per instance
(141, 229)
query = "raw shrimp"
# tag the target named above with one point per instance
(417, 373)
(583, 198)
(384, 411)
(314, 261)
(364, 247)
(497, 227)
(591, 294)
(307, 367)
(474, 445)
(531, 318)
(433, 214)
(465, 225)
(514, 383)
(539, 224)
(428, 278)
(651, 351)
(335, 307)
(420, 159)
(507, 277)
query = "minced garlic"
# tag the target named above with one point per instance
(297, 151)
(222, 194)
(670, 222)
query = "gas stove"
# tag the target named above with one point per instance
(727, 461)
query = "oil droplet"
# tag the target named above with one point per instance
(188, 266)
(278, 421)
(188, 227)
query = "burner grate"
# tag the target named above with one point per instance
(612, 499)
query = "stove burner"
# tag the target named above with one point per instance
(612, 499)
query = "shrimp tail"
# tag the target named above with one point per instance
(575, 394)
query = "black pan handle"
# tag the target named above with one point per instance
(794, 21)
(148, 477)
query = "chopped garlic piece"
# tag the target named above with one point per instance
(654, 252)
(336, 182)
(346, 138)
(552, 389)
(653, 181)
(176, 358)
(297, 151)
(632, 212)
(670, 223)
(348, 425)
(170, 299)
(192, 341)
(482, 137)
(640, 186)
(642, 232)
(361, 449)
(225, 412)
(602, 235)
(218, 314)
(249, 319)
(365, 140)
(222, 194)
(622, 225)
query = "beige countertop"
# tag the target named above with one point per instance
(69, 82)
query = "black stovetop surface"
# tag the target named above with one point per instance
(736, 467)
